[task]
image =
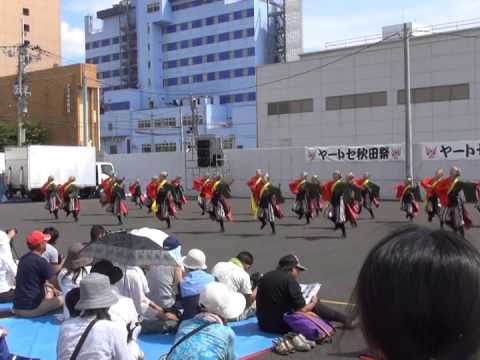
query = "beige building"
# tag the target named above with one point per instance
(40, 22)
(57, 103)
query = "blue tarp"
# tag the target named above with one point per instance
(38, 337)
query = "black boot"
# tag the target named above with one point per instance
(344, 231)
(55, 213)
(222, 226)
(272, 225)
(264, 223)
(461, 231)
(308, 219)
(169, 223)
(75, 216)
(372, 215)
(120, 222)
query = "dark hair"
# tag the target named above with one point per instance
(71, 299)
(97, 232)
(53, 233)
(245, 257)
(106, 268)
(418, 296)
(100, 314)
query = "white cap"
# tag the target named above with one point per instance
(218, 299)
(195, 260)
(164, 174)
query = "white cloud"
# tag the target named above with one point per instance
(320, 29)
(73, 43)
(87, 6)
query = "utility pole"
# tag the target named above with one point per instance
(182, 136)
(21, 92)
(408, 101)
(86, 135)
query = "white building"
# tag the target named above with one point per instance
(151, 54)
(352, 96)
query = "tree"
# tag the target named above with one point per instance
(8, 134)
(35, 133)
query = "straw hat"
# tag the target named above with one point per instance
(95, 293)
(218, 299)
(75, 259)
(195, 260)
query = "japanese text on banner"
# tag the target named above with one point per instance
(455, 150)
(390, 152)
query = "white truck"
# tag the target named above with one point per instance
(27, 168)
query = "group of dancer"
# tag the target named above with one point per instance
(65, 197)
(341, 199)
(445, 199)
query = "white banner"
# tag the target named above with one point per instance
(389, 152)
(451, 150)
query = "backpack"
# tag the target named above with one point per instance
(310, 325)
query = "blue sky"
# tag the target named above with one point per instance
(324, 20)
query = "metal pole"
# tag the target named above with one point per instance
(85, 109)
(408, 108)
(182, 139)
(20, 88)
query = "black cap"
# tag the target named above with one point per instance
(171, 243)
(291, 261)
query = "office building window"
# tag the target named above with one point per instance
(105, 42)
(210, 58)
(26, 12)
(196, 24)
(210, 20)
(237, 15)
(172, 46)
(356, 101)
(87, 46)
(210, 39)
(238, 34)
(251, 71)
(113, 149)
(115, 40)
(146, 148)
(110, 127)
(166, 147)
(224, 56)
(251, 96)
(116, 57)
(225, 99)
(172, 82)
(183, 26)
(238, 73)
(251, 52)
(95, 60)
(184, 44)
(250, 32)
(290, 107)
(224, 74)
(105, 58)
(171, 29)
(165, 122)
(250, 12)
(116, 73)
(144, 124)
(197, 60)
(211, 76)
(223, 18)
(26, 28)
(184, 62)
(224, 37)
(153, 7)
(436, 93)
(197, 42)
(95, 44)
(238, 53)
(239, 97)
(197, 78)
(185, 80)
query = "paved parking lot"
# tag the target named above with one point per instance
(333, 261)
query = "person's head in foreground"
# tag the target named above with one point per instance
(418, 296)
(195, 260)
(97, 232)
(291, 265)
(217, 299)
(37, 241)
(54, 234)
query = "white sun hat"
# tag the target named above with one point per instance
(220, 300)
(195, 260)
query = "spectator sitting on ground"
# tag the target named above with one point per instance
(234, 274)
(75, 268)
(71, 300)
(418, 296)
(123, 311)
(8, 268)
(279, 292)
(35, 294)
(194, 281)
(51, 253)
(134, 285)
(215, 340)
(106, 339)
(163, 282)
(97, 232)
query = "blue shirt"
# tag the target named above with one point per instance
(215, 342)
(194, 282)
(33, 271)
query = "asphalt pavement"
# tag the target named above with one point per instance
(333, 261)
